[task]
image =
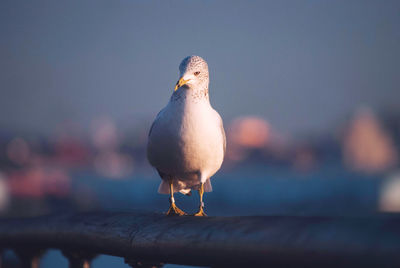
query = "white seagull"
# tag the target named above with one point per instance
(187, 139)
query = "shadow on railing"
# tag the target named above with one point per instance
(149, 240)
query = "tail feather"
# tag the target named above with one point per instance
(186, 191)
(163, 188)
(180, 187)
(208, 186)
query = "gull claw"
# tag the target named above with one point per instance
(175, 211)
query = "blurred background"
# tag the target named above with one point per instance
(308, 90)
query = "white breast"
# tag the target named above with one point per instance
(186, 140)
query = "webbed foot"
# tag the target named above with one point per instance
(200, 213)
(175, 211)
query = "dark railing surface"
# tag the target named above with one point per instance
(148, 240)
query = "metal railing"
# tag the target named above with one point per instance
(149, 240)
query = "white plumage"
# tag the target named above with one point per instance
(187, 140)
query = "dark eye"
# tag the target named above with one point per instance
(196, 73)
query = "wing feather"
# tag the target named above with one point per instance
(155, 120)
(221, 126)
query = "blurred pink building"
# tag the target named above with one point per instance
(366, 145)
(246, 133)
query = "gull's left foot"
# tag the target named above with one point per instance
(201, 213)
(201, 208)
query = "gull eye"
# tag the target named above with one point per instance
(196, 73)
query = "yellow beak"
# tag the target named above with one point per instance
(180, 83)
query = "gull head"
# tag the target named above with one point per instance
(193, 73)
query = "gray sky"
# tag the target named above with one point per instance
(303, 65)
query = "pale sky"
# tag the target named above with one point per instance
(303, 65)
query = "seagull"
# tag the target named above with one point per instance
(186, 142)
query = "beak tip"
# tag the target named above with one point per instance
(180, 83)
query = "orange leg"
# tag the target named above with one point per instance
(201, 208)
(173, 209)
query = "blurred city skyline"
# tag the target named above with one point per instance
(308, 91)
(302, 65)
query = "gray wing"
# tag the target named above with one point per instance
(221, 127)
(152, 125)
(223, 134)
(151, 128)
